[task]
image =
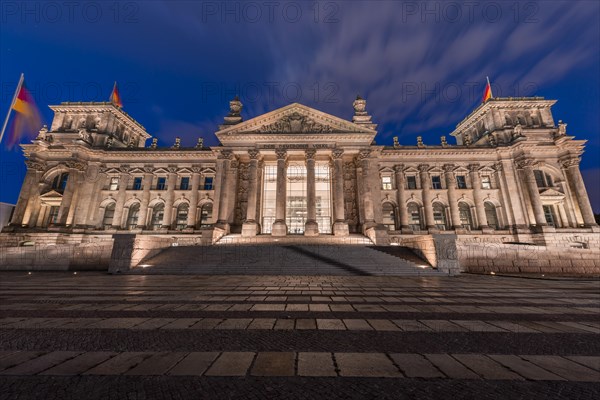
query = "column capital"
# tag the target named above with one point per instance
(498, 167)
(77, 165)
(448, 168)
(423, 167)
(310, 154)
(336, 154)
(364, 154)
(148, 169)
(35, 166)
(172, 169)
(473, 167)
(196, 169)
(124, 169)
(225, 155)
(281, 154)
(570, 162)
(526, 163)
(254, 154)
(399, 168)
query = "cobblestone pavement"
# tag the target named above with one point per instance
(96, 336)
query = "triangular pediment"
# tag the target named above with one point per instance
(294, 119)
(551, 193)
(52, 194)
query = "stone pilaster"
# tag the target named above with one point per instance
(504, 198)
(478, 196)
(369, 211)
(279, 226)
(340, 226)
(575, 181)
(513, 193)
(66, 210)
(427, 200)
(224, 162)
(170, 197)
(311, 228)
(526, 166)
(401, 196)
(250, 226)
(29, 191)
(86, 202)
(121, 197)
(452, 199)
(193, 211)
(146, 184)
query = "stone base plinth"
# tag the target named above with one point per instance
(249, 229)
(279, 228)
(311, 228)
(341, 229)
(224, 226)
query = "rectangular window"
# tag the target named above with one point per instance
(161, 183)
(137, 183)
(114, 183)
(53, 215)
(208, 183)
(486, 182)
(461, 182)
(411, 182)
(436, 182)
(185, 183)
(386, 182)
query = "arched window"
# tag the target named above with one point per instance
(132, 216)
(414, 215)
(491, 215)
(439, 216)
(464, 211)
(109, 213)
(389, 216)
(543, 179)
(157, 216)
(182, 214)
(60, 182)
(206, 214)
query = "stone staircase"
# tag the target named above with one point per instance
(289, 256)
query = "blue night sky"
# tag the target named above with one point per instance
(420, 65)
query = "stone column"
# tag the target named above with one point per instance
(170, 197)
(224, 159)
(452, 200)
(85, 203)
(363, 157)
(146, 185)
(121, 197)
(427, 200)
(250, 226)
(279, 226)
(401, 194)
(513, 193)
(29, 191)
(526, 167)
(311, 228)
(67, 197)
(193, 211)
(478, 196)
(504, 199)
(575, 180)
(340, 226)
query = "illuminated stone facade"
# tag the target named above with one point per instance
(513, 172)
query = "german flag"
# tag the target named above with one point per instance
(115, 97)
(27, 116)
(487, 93)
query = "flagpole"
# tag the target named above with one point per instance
(490, 85)
(12, 105)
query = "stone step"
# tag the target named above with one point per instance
(288, 259)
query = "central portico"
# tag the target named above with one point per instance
(289, 168)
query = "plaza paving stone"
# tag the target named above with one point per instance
(96, 336)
